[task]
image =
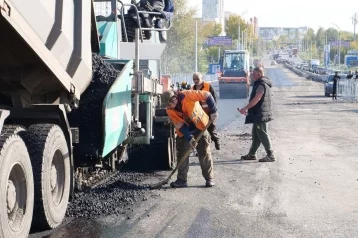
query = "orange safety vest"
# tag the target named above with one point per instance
(192, 111)
(206, 87)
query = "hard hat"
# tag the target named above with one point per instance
(166, 96)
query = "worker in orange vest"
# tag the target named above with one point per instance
(189, 119)
(199, 84)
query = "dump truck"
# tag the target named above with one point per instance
(55, 58)
(234, 79)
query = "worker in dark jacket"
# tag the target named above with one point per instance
(199, 84)
(259, 113)
(336, 79)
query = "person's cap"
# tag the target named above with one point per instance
(166, 96)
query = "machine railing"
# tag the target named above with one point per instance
(137, 12)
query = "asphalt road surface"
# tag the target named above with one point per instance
(309, 191)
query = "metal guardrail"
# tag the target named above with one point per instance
(306, 74)
(347, 89)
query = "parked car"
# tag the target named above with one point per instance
(328, 86)
(305, 67)
(321, 70)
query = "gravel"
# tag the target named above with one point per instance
(116, 196)
(119, 192)
(88, 117)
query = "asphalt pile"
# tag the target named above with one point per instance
(116, 196)
(88, 117)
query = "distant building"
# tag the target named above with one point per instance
(213, 10)
(272, 33)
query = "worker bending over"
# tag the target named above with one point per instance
(189, 119)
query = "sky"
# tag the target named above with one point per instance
(288, 13)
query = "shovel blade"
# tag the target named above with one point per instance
(158, 185)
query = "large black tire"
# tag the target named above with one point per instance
(52, 173)
(16, 185)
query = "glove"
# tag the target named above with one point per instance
(214, 116)
(193, 143)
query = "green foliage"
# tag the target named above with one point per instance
(179, 54)
(232, 26)
(181, 41)
(326, 35)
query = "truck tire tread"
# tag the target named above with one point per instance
(10, 133)
(36, 139)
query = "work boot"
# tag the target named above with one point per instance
(210, 183)
(217, 145)
(162, 36)
(268, 158)
(179, 184)
(248, 157)
(147, 24)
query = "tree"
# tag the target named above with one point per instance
(232, 26)
(179, 54)
(320, 37)
(354, 45)
(320, 42)
(181, 41)
(217, 29)
(207, 54)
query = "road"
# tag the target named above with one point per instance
(311, 189)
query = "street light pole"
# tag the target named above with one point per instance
(354, 21)
(196, 46)
(238, 37)
(242, 40)
(339, 44)
(239, 31)
(339, 49)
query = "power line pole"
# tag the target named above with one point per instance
(196, 46)
(354, 21)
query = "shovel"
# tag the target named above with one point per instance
(181, 161)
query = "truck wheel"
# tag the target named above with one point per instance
(52, 173)
(16, 185)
